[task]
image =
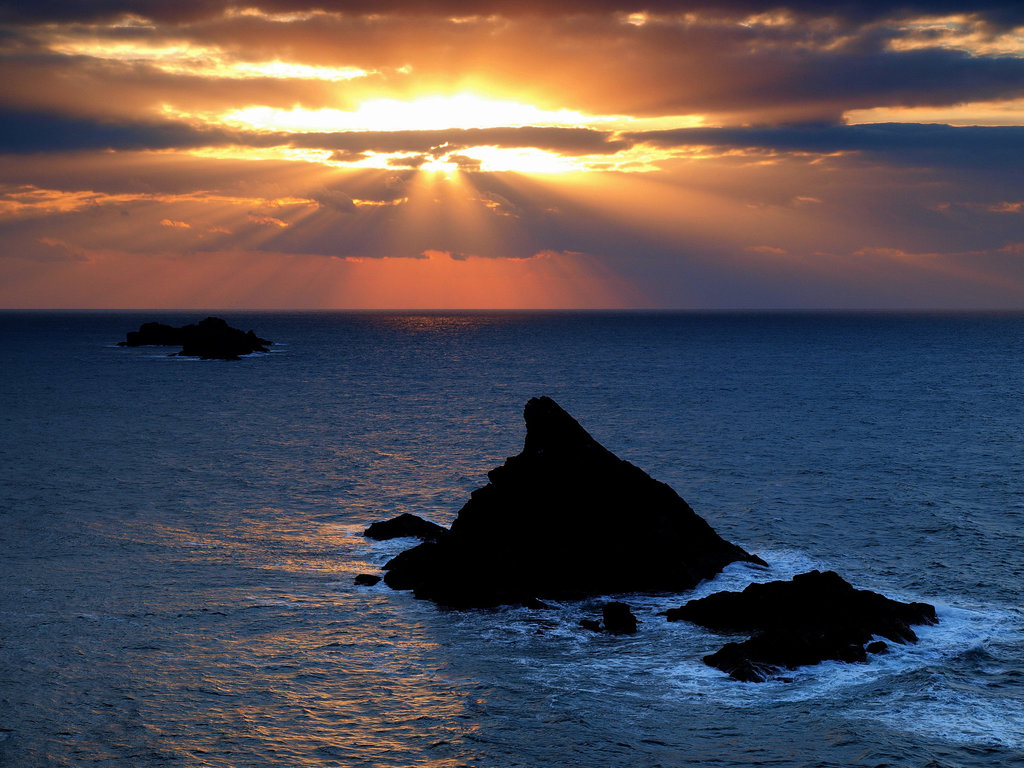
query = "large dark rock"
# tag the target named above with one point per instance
(618, 618)
(405, 525)
(210, 339)
(813, 618)
(565, 519)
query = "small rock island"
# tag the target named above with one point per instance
(565, 519)
(210, 339)
(812, 618)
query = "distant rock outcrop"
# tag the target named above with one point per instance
(210, 339)
(564, 519)
(405, 526)
(813, 618)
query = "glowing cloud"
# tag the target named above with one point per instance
(185, 58)
(691, 154)
(1008, 112)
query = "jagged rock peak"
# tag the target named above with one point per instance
(550, 428)
(564, 519)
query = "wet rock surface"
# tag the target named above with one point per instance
(616, 618)
(405, 526)
(817, 616)
(564, 519)
(209, 339)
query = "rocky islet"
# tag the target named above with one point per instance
(209, 339)
(566, 519)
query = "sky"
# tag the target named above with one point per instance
(291, 154)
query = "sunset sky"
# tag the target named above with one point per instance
(491, 154)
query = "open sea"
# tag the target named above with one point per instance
(178, 539)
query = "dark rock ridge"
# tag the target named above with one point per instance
(210, 339)
(406, 525)
(813, 618)
(565, 519)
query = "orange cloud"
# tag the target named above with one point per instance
(269, 221)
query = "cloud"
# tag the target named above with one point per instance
(52, 250)
(740, 62)
(22, 132)
(900, 143)
(112, 134)
(1001, 11)
(573, 141)
(334, 200)
(766, 250)
(267, 221)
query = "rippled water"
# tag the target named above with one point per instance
(179, 539)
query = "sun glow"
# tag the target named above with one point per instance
(522, 160)
(423, 114)
(463, 112)
(428, 113)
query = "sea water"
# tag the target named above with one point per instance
(179, 538)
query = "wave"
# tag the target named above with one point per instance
(955, 684)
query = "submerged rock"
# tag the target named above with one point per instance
(813, 618)
(565, 519)
(210, 339)
(617, 619)
(403, 526)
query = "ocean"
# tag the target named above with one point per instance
(179, 538)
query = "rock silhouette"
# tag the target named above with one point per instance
(210, 339)
(813, 618)
(405, 525)
(564, 519)
(617, 619)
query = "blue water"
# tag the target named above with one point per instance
(178, 539)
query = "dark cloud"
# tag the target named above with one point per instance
(465, 163)
(572, 141)
(22, 132)
(901, 143)
(347, 156)
(1003, 11)
(333, 200)
(408, 161)
(738, 72)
